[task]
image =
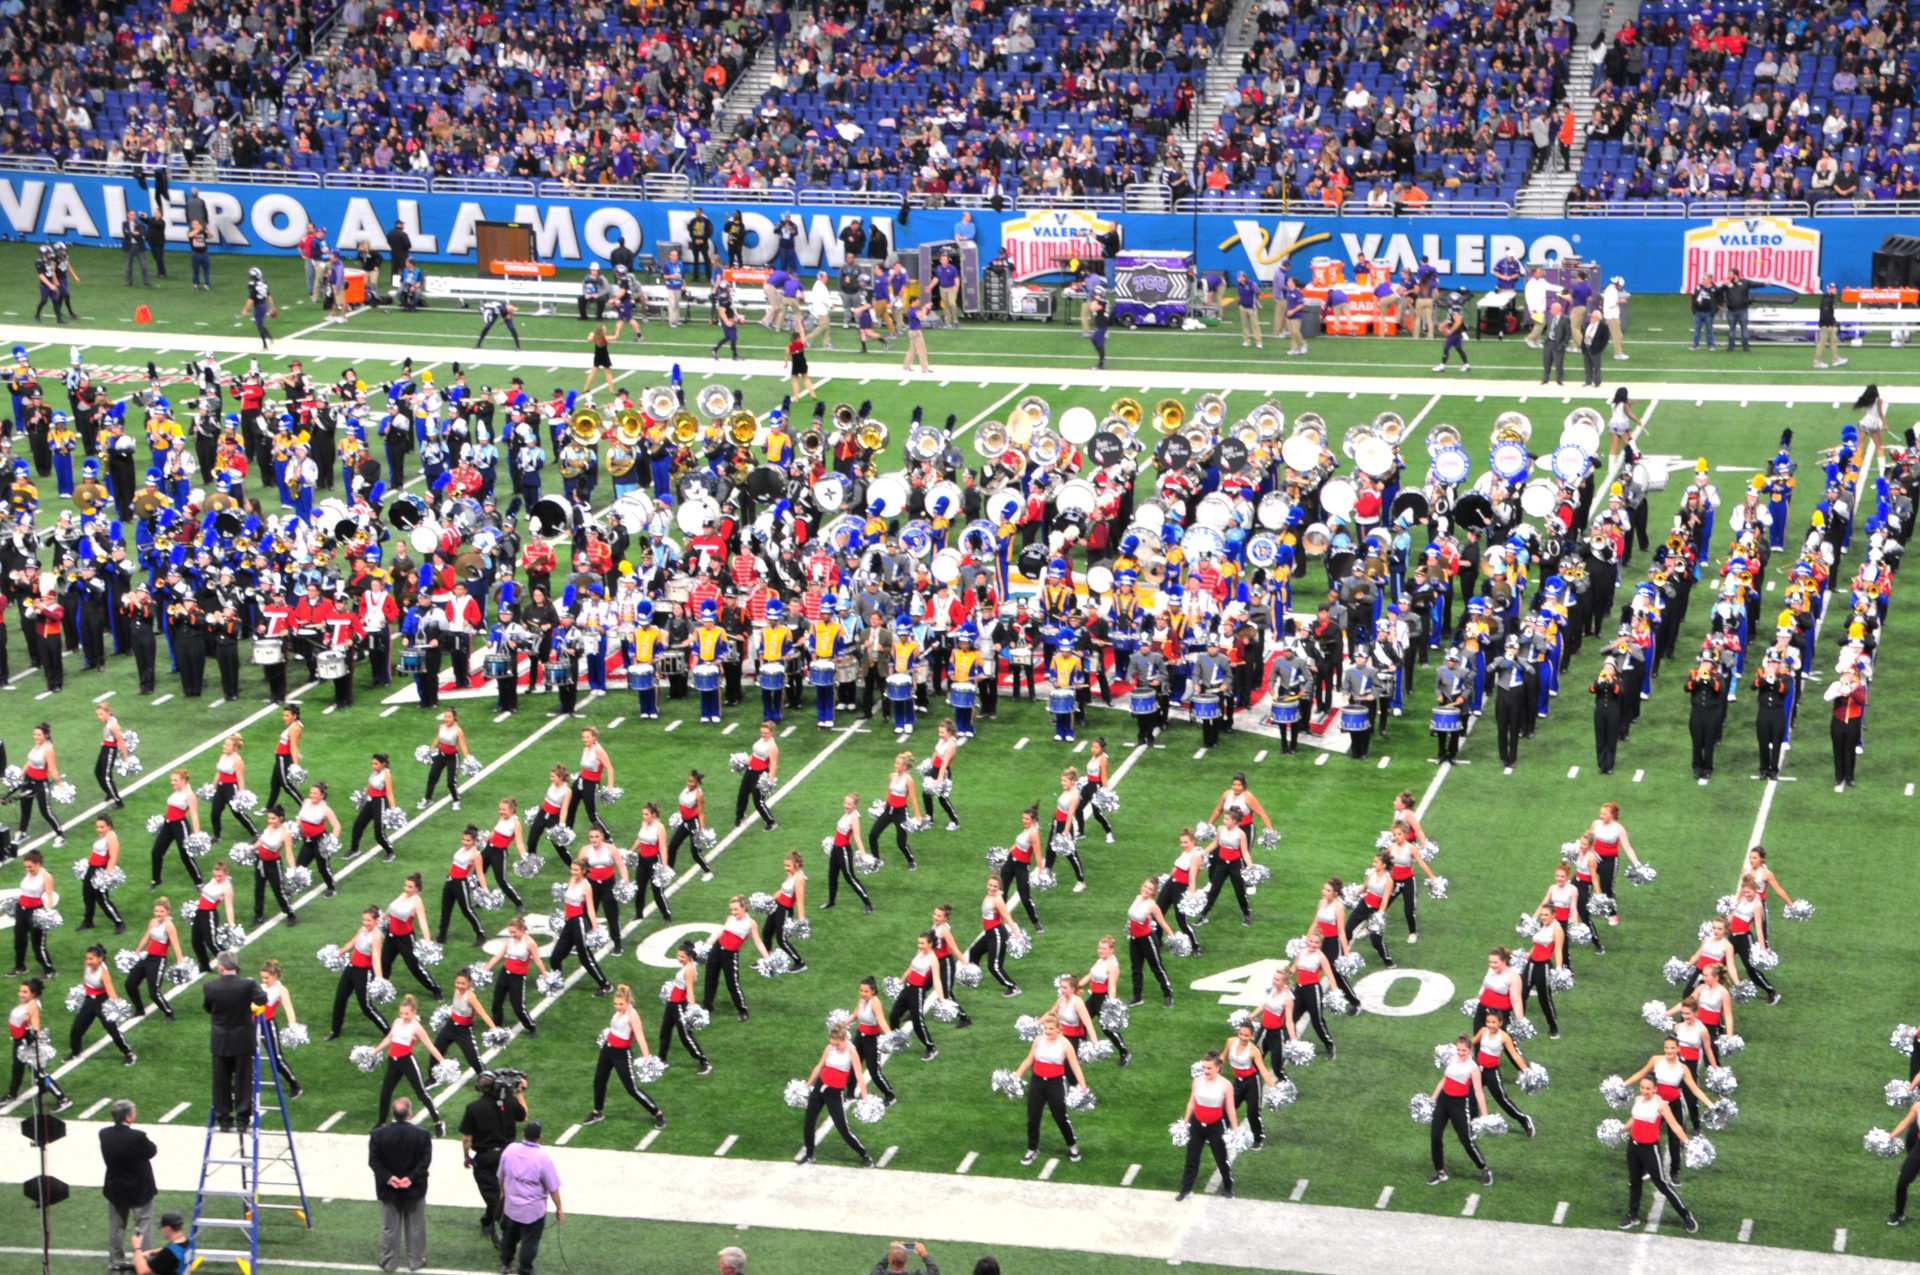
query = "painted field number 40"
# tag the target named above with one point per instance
(1248, 985)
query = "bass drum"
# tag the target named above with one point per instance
(1451, 465)
(1076, 496)
(1538, 497)
(1301, 453)
(1215, 510)
(1272, 511)
(1263, 550)
(1202, 541)
(1337, 498)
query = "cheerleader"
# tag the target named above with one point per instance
(1062, 835)
(1278, 1021)
(922, 977)
(648, 844)
(102, 858)
(1492, 1045)
(839, 1067)
(216, 895)
(1375, 892)
(160, 941)
(373, 811)
(763, 762)
(944, 747)
(1189, 868)
(458, 1031)
(1747, 930)
(1499, 987)
(1019, 865)
(315, 820)
(1710, 1003)
(1715, 952)
(182, 816)
(506, 834)
(946, 950)
(1103, 982)
(465, 874)
(405, 1035)
(1403, 856)
(1146, 926)
(673, 1015)
(1696, 1046)
(1330, 919)
(693, 820)
(1249, 1069)
(1644, 1160)
(449, 752)
(1610, 841)
(869, 1020)
(1050, 1058)
(1460, 1077)
(596, 772)
(37, 779)
(23, 1028)
(1764, 880)
(1404, 816)
(96, 980)
(554, 805)
(277, 1012)
(604, 866)
(229, 779)
(789, 903)
(902, 795)
(1561, 901)
(406, 921)
(519, 955)
(286, 752)
(1549, 952)
(113, 750)
(1673, 1079)
(724, 956)
(1240, 800)
(996, 923)
(1077, 1022)
(847, 842)
(1310, 973)
(1232, 855)
(1098, 765)
(1909, 1167)
(1210, 1114)
(36, 892)
(1586, 866)
(576, 899)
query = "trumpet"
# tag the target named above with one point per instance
(1128, 410)
(742, 427)
(586, 425)
(1169, 415)
(813, 444)
(1211, 410)
(873, 435)
(629, 427)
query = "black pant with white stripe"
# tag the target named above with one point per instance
(372, 815)
(993, 944)
(773, 932)
(1645, 1161)
(1144, 951)
(223, 795)
(573, 938)
(279, 1055)
(399, 947)
(720, 961)
(31, 793)
(1087, 789)
(607, 908)
(1063, 830)
(149, 971)
(458, 893)
(1407, 890)
(511, 988)
(280, 783)
(1203, 1137)
(1743, 948)
(104, 775)
(1536, 981)
(98, 898)
(1094, 1004)
(1495, 1089)
(1272, 1042)
(840, 864)
(200, 932)
(1223, 872)
(1171, 892)
(353, 986)
(750, 794)
(1246, 1093)
(310, 856)
(541, 824)
(1359, 917)
(586, 795)
(24, 933)
(673, 1022)
(88, 1015)
(1449, 1110)
(1015, 876)
(174, 833)
(912, 1003)
(644, 875)
(494, 860)
(447, 764)
(1306, 1003)
(868, 1047)
(686, 832)
(407, 1068)
(267, 876)
(460, 1036)
(1048, 1093)
(896, 817)
(60, 1095)
(835, 1102)
(618, 1062)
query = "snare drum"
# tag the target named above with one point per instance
(773, 677)
(1061, 700)
(1356, 718)
(640, 677)
(329, 665)
(1285, 713)
(498, 664)
(1446, 721)
(822, 673)
(706, 677)
(269, 651)
(1206, 708)
(412, 660)
(846, 669)
(1020, 656)
(900, 688)
(962, 695)
(1143, 703)
(559, 673)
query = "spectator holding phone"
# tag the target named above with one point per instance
(898, 1253)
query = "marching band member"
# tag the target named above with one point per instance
(286, 752)
(624, 1034)
(102, 858)
(373, 810)
(519, 955)
(182, 815)
(596, 772)
(1065, 674)
(645, 648)
(278, 1011)
(1549, 952)
(1098, 765)
(1673, 1079)
(505, 834)
(1051, 1057)
(1209, 1105)
(216, 893)
(113, 749)
(763, 761)
(1232, 855)
(1146, 926)
(789, 902)
(839, 1067)
(406, 1034)
(966, 669)
(604, 863)
(315, 820)
(996, 923)
(96, 981)
(1459, 1078)
(1103, 982)
(1450, 691)
(466, 873)
(648, 843)
(827, 640)
(944, 748)
(1747, 930)
(724, 956)
(37, 779)
(36, 892)
(1189, 867)
(1644, 1161)
(693, 820)
(229, 778)
(906, 670)
(23, 1028)
(673, 1014)
(1492, 1045)
(1061, 840)
(707, 650)
(903, 795)
(159, 941)
(449, 751)
(1249, 1068)
(922, 975)
(406, 915)
(576, 901)
(772, 645)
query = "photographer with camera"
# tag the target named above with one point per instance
(897, 1254)
(486, 1129)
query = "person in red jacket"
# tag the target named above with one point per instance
(344, 634)
(1849, 696)
(310, 616)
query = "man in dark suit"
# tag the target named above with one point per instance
(128, 1186)
(230, 999)
(399, 1153)
(1558, 335)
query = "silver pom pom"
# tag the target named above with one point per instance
(773, 965)
(967, 974)
(702, 949)
(1095, 1051)
(241, 854)
(445, 1072)
(1615, 1091)
(80, 869)
(47, 920)
(1295, 946)
(76, 997)
(496, 1038)
(381, 991)
(205, 792)
(1641, 874)
(1421, 1108)
(294, 1036)
(245, 801)
(1334, 1001)
(429, 952)
(1113, 1016)
(1297, 1053)
(870, 1109)
(1706, 930)
(1533, 1078)
(1522, 1029)
(891, 1043)
(394, 819)
(662, 875)
(1240, 1018)
(1470, 1006)
(997, 857)
(1269, 839)
(1107, 801)
(558, 893)
(297, 776)
(1722, 1080)
(1192, 904)
(1654, 1014)
(1179, 1132)
(490, 900)
(936, 788)
(560, 836)
(329, 845)
(1602, 905)
(528, 866)
(365, 1057)
(1027, 1027)
(1560, 979)
(1080, 1098)
(180, 973)
(1284, 1094)
(1746, 993)
(359, 796)
(1765, 958)
(1581, 933)
(1493, 1125)
(128, 767)
(1718, 1115)
(1436, 887)
(1903, 1038)
(945, 1010)
(1203, 832)
(1350, 964)
(126, 959)
(923, 823)
(625, 891)
(1257, 874)
(705, 839)
(648, 1069)
(424, 754)
(1730, 1044)
(1043, 880)
(611, 796)
(891, 986)
(1238, 1139)
(1611, 1133)
(695, 1019)
(1674, 971)
(1179, 945)
(1798, 910)
(229, 937)
(1700, 1153)
(154, 824)
(470, 767)
(1377, 924)
(9, 906)
(737, 763)
(877, 807)
(1006, 1082)
(598, 939)
(551, 983)
(840, 1018)
(1430, 851)
(760, 903)
(795, 1094)
(766, 784)
(1528, 926)
(480, 976)
(115, 1010)
(1352, 894)
(1443, 1055)
(1724, 905)
(1019, 945)
(1882, 1143)
(673, 820)
(1197, 1070)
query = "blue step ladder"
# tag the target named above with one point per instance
(263, 1163)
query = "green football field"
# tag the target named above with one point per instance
(1810, 1080)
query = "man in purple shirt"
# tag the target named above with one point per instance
(946, 277)
(527, 1178)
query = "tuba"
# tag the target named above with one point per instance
(1044, 447)
(630, 427)
(1169, 415)
(1211, 410)
(1037, 410)
(1442, 436)
(873, 435)
(813, 444)
(1512, 427)
(991, 440)
(1128, 410)
(714, 400)
(1268, 419)
(685, 427)
(924, 442)
(661, 402)
(843, 416)
(742, 427)
(585, 425)
(1390, 426)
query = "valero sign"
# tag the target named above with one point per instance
(1767, 251)
(1042, 243)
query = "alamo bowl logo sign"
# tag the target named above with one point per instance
(1767, 251)
(1042, 243)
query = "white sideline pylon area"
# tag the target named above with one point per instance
(955, 1209)
(380, 351)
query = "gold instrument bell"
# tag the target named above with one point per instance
(630, 427)
(685, 427)
(742, 427)
(1128, 410)
(873, 435)
(1169, 414)
(586, 425)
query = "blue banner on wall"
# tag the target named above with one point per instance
(1653, 255)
